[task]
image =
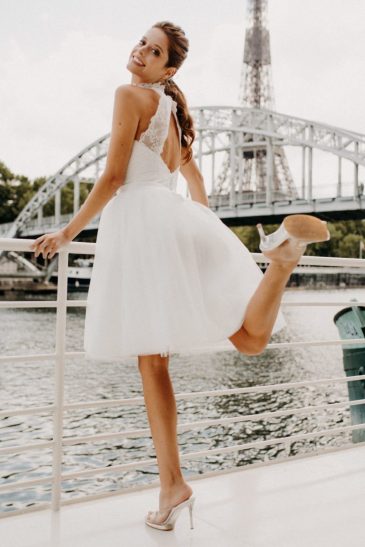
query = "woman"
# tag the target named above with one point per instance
(168, 275)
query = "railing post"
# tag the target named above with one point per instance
(310, 166)
(57, 207)
(40, 216)
(59, 378)
(269, 172)
(212, 144)
(232, 160)
(356, 173)
(76, 204)
(339, 174)
(303, 171)
(269, 164)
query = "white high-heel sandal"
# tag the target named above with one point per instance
(299, 231)
(169, 522)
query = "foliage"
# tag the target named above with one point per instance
(17, 190)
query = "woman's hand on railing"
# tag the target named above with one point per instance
(49, 244)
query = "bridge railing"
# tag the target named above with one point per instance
(58, 408)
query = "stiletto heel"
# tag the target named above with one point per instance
(169, 522)
(191, 513)
(261, 232)
(290, 240)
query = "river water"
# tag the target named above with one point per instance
(25, 384)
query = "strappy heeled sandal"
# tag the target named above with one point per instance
(169, 522)
(290, 240)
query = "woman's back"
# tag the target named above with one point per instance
(156, 150)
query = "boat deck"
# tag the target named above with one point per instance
(314, 501)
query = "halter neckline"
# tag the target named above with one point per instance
(155, 85)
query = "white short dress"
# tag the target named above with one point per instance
(168, 276)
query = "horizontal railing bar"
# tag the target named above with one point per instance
(210, 474)
(209, 451)
(27, 411)
(83, 247)
(131, 401)
(198, 454)
(29, 357)
(277, 440)
(32, 509)
(206, 475)
(219, 450)
(264, 388)
(315, 303)
(263, 415)
(25, 484)
(190, 425)
(28, 304)
(24, 448)
(40, 303)
(298, 344)
(19, 244)
(276, 345)
(134, 433)
(317, 260)
(82, 303)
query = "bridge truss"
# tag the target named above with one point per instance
(237, 131)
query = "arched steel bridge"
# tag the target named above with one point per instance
(238, 132)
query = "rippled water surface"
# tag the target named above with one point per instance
(26, 384)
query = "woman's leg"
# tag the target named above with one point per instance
(262, 309)
(162, 416)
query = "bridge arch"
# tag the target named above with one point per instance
(234, 130)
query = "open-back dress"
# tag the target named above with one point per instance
(168, 275)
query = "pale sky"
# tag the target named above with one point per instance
(61, 60)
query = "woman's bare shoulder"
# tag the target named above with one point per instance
(129, 98)
(129, 93)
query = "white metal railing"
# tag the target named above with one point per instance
(59, 407)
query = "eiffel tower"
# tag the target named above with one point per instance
(256, 91)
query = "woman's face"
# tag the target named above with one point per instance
(149, 56)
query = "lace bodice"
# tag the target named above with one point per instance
(156, 133)
(146, 165)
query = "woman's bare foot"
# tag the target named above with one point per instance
(169, 498)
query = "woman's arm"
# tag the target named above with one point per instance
(124, 128)
(191, 173)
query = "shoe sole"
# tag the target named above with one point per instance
(167, 526)
(159, 527)
(306, 228)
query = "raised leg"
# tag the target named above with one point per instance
(162, 416)
(262, 310)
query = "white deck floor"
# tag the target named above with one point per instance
(317, 501)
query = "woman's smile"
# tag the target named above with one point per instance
(137, 60)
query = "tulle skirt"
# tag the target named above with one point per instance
(168, 277)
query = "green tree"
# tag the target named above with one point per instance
(5, 173)
(349, 246)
